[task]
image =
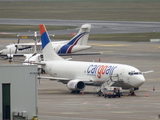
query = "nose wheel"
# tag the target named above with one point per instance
(132, 93)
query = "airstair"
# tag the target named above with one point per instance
(107, 84)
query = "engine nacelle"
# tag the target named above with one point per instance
(76, 85)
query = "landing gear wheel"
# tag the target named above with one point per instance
(132, 93)
(99, 93)
(75, 91)
(119, 95)
(40, 70)
(78, 91)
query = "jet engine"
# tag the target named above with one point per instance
(76, 85)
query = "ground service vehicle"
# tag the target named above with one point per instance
(112, 92)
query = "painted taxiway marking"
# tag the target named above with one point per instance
(69, 113)
(107, 105)
(49, 91)
(118, 103)
(115, 45)
(84, 103)
(105, 51)
(123, 112)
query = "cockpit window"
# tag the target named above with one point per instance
(134, 73)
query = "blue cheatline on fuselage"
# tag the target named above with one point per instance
(68, 47)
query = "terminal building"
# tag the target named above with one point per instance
(18, 92)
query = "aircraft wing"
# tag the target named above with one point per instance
(54, 78)
(23, 46)
(64, 80)
(38, 43)
(6, 56)
(77, 54)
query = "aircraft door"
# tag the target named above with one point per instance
(121, 75)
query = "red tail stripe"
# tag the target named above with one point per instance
(42, 29)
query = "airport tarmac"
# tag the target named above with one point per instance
(55, 102)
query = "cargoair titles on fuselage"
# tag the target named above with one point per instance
(99, 70)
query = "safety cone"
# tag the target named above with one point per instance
(82, 92)
(146, 94)
(99, 60)
(153, 88)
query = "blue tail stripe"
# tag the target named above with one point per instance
(73, 40)
(65, 47)
(45, 39)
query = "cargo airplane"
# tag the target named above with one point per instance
(77, 74)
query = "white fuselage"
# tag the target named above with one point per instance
(24, 48)
(95, 72)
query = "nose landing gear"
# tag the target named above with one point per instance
(132, 91)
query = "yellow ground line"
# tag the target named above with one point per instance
(69, 113)
(114, 45)
(109, 45)
(123, 112)
(105, 51)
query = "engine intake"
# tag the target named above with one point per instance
(76, 85)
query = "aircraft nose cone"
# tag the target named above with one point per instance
(139, 80)
(1, 52)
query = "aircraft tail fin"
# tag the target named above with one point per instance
(49, 53)
(81, 38)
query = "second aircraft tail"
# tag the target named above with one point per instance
(81, 39)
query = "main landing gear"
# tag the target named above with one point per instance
(78, 91)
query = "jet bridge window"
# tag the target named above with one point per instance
(134, 73)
